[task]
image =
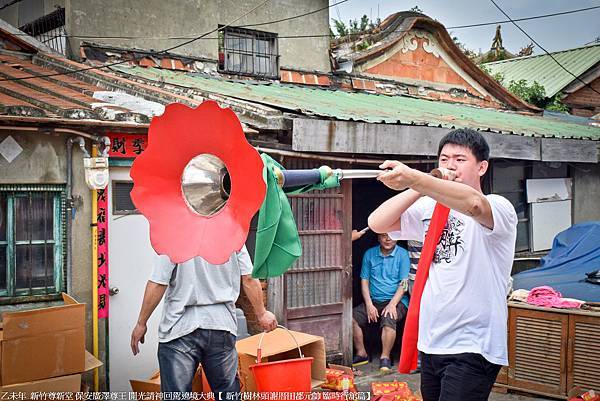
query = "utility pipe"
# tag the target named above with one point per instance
(94, 138)
(95, 277)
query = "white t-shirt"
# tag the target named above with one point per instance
(463, 306)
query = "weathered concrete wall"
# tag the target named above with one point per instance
(586, 192)
(153, 20)
(43, 161)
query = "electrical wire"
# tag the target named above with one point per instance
(204, 36)
(524, 18)
(124, 61)
(319, 36)
(540, 46)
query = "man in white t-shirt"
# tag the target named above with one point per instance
(463, 317)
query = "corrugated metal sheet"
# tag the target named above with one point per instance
(546, 71)
(370, 107)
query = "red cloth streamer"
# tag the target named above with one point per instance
(409, 354)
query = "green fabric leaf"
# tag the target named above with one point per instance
(277, 240)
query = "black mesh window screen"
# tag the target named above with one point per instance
(122, 203)
(248, 52)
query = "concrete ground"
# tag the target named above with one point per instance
(366, 374)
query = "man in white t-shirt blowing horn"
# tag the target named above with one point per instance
(462, 334)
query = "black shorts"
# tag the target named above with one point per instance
(359, 314)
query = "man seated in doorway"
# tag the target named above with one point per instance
(384, 275)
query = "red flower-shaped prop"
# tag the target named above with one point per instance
(175, 138)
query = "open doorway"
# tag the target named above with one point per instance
(367, 195)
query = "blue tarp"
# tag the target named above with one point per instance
(575, 252)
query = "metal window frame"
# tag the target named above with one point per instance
(58, 196)
(255, 36)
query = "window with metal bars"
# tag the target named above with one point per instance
(31, 240)
(248, 52)
(50, 30)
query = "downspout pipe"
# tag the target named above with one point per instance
(70, 209)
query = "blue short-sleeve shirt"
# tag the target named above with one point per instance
(385, 272)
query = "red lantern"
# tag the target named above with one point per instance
(174, 139)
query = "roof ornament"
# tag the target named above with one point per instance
(527, 50)
(497, 46)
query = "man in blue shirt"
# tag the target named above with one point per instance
(384, 275)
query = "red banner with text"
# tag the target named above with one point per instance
(102, 226)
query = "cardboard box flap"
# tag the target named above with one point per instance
(43, 321)
(144, 386)
(91, 362)
(275, 342)
(68, 300)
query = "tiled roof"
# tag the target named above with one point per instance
(60, 96)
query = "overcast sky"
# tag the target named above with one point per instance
(553, 33)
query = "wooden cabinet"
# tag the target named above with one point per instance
(583, 359)
(552, 350)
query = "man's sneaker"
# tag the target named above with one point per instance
(359, 360)
(385, 364)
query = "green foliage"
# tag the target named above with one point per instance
(468, 52)
(555, 104)
(354, 26)
(363, 45)
(531, 93)
(364, 23)
(497, 76)
(374, 24)
(340, 27)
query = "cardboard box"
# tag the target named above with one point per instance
(42, 343)
(69, 383)
(145, 388)
(276, 346)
